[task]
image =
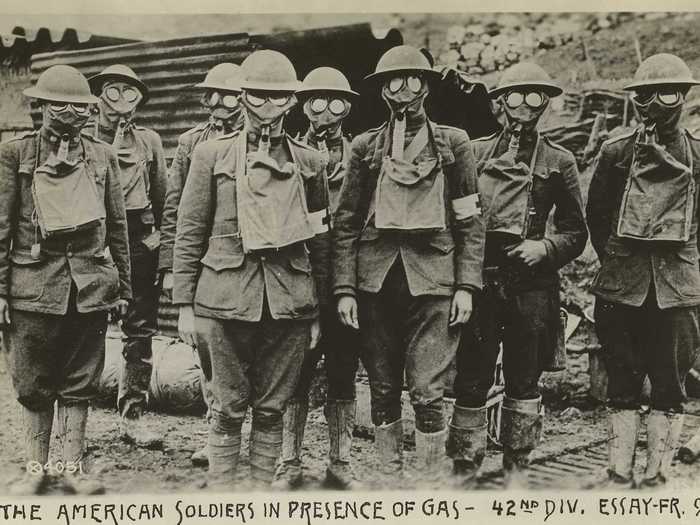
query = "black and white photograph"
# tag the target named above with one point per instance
(321, 256)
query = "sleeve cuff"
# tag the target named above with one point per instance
(344, 290)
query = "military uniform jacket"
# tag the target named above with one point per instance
(150, 148)
(436, 263)
(629, 267)
(177, 175)
(555, 186)
(211, 270)
(42, 283)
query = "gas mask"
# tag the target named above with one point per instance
(523, 109)
(62, 118)
(224, 109)
(265, 111)
(660, 110)
(404, 94)
(326, 113)
(118, 102)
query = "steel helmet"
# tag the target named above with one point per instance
(225, 76)
(402, 58)
(326, 79)
(526, 74)
(268, 70)
(62, 84)
(662, 69)
(118, 73)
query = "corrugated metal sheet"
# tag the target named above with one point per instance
(18, 45)
(170, 67)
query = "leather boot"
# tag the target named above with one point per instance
(36, 426)
(265, 449)
(623, 426)
(289, 475)
(340, 416)
(224, 446)
(466, 443)
(200, 458)
(521, 431)
(431, 458)
(132, 431)
(663, 434)
(71, 422)
(388, 438)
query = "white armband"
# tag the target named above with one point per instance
(320, 221)
(466, 207)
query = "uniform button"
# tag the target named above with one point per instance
(70, 254)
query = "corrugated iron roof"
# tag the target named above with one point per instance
(170, 67)
(20, 43)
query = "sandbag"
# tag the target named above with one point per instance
(175, 382)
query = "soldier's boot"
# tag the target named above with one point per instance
(466, 443)
(265, 449)
(431, 461)
(521, 431)
(388, 439)
(340, 416)
(71, 422)
(289, 474)
(200, 458)
(663, 434)
(133, 394)
(623, 426)
(36, 426)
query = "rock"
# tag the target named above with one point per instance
(570, 413)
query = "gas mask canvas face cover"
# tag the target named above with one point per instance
(64, 118)
(660, 108)
(523, 107)
(224, 108)
(119, 101)
(405, 92)
(326, 112)
(266, 108)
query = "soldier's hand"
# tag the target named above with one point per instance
(119, 310)
(167, 280)
(185, 325)
(530, 252)
(461, 307)
(315, 334)
(4, 313)
(347, 311)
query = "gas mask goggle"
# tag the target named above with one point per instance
(65, 120)
(405, 93)
(523, 108)
(660, 109)
(119, 100)
(326, 113)
(223, 107)
(264, 110)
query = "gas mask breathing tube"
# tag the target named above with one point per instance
(660, 111)
(224, 110)
(265, 112)
(404, 94)
(65, 121)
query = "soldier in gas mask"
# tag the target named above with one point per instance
(326, 97)
(220, 96)
(251, 263)
(64, 263)
(523, 177)
(643, 217)
(143, 177)
(408, 250)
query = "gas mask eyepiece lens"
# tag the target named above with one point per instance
(514, 99)
(414, 83)
(112, 93)
(337, 106)
(669, 99)
(319, 105)
(254, 100)
(79, 109)
(279, 100)
(229, 101)
(534, 99)
(130, 95)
